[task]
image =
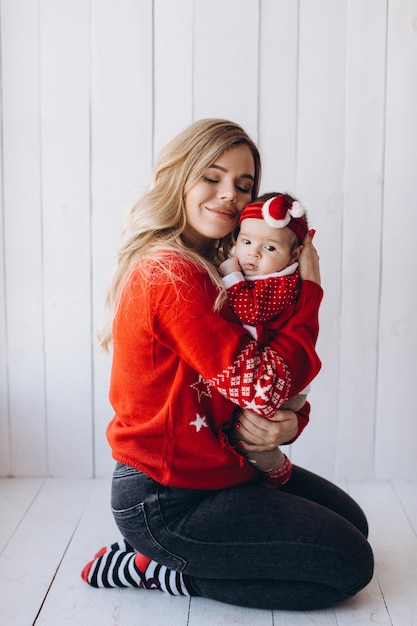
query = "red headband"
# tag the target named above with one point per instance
(278, 212)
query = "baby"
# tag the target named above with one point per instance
(263, 283)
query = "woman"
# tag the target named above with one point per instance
(194, 516)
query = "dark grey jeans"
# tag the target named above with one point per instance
(300, 547)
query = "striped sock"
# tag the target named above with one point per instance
(121, 566)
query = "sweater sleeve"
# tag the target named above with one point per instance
(259, 378)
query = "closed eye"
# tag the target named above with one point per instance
(241, 188)
(244, 189)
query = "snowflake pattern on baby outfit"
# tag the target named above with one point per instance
(265, 389)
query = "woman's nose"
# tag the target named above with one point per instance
(228, 193)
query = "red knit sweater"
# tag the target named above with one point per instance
(180, 369)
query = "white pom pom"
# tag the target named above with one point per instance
(297, 209)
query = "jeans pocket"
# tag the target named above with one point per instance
(134, 525)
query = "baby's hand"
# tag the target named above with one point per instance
(229, 265)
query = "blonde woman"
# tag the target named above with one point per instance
(195, 518)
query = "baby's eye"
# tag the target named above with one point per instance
(270, 248)
(246, 242)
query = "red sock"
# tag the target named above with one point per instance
(277, 478)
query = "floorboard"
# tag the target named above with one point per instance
(48, 528)
(206, 612)
(16, 497)
(395, 545)
(69, 596)
(31, 557)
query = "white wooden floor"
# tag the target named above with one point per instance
(50, 528)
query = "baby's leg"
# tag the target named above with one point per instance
(263, 461)
(295, 403)
(274, 465)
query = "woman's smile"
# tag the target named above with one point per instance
(223, 213)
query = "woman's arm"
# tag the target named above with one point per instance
(180, 317)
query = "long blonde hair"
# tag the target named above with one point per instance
(157, 220)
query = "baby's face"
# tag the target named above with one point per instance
(262, 250)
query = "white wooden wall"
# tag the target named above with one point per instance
(92, 89)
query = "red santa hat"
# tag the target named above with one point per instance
(278, 212)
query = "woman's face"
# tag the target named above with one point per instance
(214, 203)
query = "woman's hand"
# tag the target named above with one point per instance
(308, 260)
(263, 433)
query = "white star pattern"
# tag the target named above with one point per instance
(259, 409)
(261, 390)
(252, 406)
(202, 387)
(199, 422)
(256, 383)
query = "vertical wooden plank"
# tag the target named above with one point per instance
(278, 67)
(5, 464)
(226, 61)
(173, 68)
(362, 218)
(121, 117)
(5, 455)
(397, 365)
(320, 165)
(65, 70)
(23, 237)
